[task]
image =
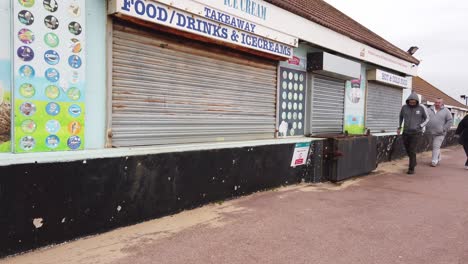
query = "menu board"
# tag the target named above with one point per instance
(292, 102)
(49, 75)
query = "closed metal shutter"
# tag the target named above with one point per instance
(169, 90)
(383, 107)
(328, 95)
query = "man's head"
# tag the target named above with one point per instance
(412, 102)
(439, 102)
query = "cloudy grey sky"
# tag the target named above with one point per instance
(438, 27)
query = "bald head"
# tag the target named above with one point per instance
(439, 102)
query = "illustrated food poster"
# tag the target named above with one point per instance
(49, 75)
(292, 102)
(355, 106)
(5, 87)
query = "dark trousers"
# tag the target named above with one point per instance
(411, 142)
(465, 146)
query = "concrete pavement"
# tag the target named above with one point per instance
(386, 217)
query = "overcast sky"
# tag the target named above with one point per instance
(438, 27)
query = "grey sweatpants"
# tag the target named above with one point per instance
(436, 143)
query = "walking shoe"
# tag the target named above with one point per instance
(466, 167)
(433, 164)
(410, 171)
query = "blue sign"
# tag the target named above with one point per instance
(74, 61)
(27, 71)
(52, 75)
(52, 141)
(53, 126)
(53, 109)
(74, 110)
(52, 57)
(74, 142)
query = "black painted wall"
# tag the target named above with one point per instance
(391, 147)
(42, 204)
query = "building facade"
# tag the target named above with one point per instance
(121, 111)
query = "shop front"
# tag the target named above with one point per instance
(384, 100)
(122, 111)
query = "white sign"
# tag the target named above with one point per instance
(208, 22)
(301, 151)
(294, 25)
(389, 78)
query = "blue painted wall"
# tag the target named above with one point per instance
(96, 19)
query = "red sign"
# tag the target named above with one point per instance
(294, 61)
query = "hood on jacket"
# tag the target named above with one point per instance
(413, 96)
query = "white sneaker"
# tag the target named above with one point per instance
(466, 167)
(434, 164)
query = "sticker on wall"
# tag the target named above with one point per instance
(52, 92)
(75, 28)
(28, 126)
(74, 110)
(25, 53)
(74, 10)
(75, 77)
(27, 90)
(51, 40)
(51, 22)
(74, 142)
(52, 141)
(26, 17)
(73, 93)
(27, 72)
(28, 109)
(26, 3)
(51, 57)
(50, 5)
(26, 36)
(52, 75)
(27, 143)
(74, 128)
(53, 126)
(52, 109)
(74, 61)
(75, 45)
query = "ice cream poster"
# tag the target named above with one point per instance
(355, 106)
(49, 75)
(5, 78)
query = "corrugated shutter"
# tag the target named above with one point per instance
(383, 107)
(328, 95)
(169, 90)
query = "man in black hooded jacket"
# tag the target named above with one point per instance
(415, 118)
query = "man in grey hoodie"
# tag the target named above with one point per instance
(440, 121)
(415, 118)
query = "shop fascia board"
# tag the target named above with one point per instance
(388, 78)
(191, 17)
(315, 34)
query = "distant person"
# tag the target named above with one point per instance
(440, 121)
(462, 131)
(415, 119)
